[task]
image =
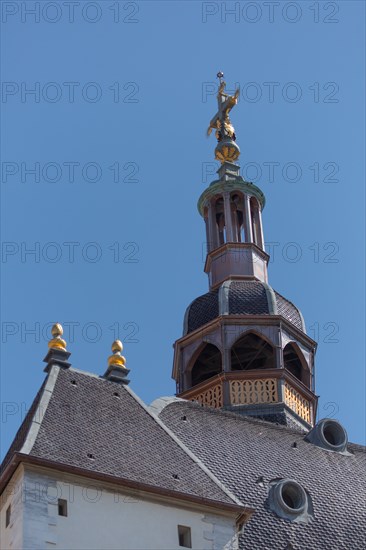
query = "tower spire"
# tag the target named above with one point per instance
(244, 346)
(231, 207)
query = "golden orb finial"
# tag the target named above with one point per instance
(57, 330)
(117, 346)
(117, 360)
(57, 342)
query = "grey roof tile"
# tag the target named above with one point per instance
(247, 298)
(127, 442)
(203, 309)
(21, 434)
(288, 311)
(238, 450)
(84, 417)
(244, 298)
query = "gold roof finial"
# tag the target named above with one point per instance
(226, 150)
(117, 360)
(57, 342)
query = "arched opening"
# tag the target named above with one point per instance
(255, 220)
(220, 220)
(294, 364)
(237, 209)
(208, 236)
(207, 364)
(252, 352)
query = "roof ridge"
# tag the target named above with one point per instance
(40, 411)
(176, 439)
(233, 414)
(253, 420)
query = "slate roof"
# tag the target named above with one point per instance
(235, 297)
(21, 434)
(239, 450)
(83, 416)
(76, 414)
(203, 309)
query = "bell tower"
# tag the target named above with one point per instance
(244, 346)
(231, 208)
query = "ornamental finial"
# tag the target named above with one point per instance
(117, 360)
(117, 370)
(226, 150)
(57, 342)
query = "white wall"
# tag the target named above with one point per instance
(104, 517)
(12, 536)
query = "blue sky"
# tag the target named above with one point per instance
(114, 132)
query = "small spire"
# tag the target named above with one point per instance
(57, 352)
(117, 371)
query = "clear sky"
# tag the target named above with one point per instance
(114, 132)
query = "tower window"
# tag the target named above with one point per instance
(293, 364)
(207, 364)
(184, 536)
(254, 210)
(251, 352)
(62, 507)
(220, 220)
(8, 516)
(237, 208)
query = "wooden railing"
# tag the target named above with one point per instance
(297, 402)
(245, 388)
(212, 397)
(248, 392)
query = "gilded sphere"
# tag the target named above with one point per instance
(117, 346)
(57, 330)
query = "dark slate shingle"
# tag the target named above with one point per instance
(203, 310)
(248, 298)
(85, 417)
(22, 433)
(288, 311)
(244, 298)
(238, 450)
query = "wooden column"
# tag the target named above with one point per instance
(247, 220)
(261, 237)
(212, 228)
(228, 219)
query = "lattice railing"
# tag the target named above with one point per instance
(297, 403)
(211, 397)
(247, 392)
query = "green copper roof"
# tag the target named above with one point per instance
(237, 184)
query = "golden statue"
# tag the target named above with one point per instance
(221, 121)
(226, 150)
